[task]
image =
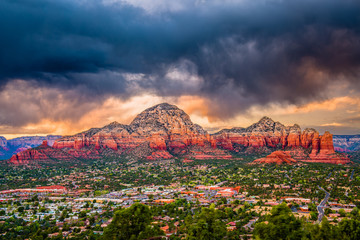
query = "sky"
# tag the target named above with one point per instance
(69, 65)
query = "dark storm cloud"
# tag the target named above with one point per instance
(239, 54)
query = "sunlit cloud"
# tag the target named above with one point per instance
(334, 124)
(331, 104)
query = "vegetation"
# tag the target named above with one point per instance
(131, 224)
(249, 214)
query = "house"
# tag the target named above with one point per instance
(164, 201)
(271, 203)
(304, 209)
(231, 228)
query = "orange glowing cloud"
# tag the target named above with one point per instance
(50, 111)
(330, 104)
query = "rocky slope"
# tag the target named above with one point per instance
(266, 134)
(164, 127)
(16, 145)
(159, 132)
(347, 143)
(322, 151)
(38, 154)
(277, 157)
(165, 131)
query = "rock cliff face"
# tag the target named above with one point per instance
(42, 153)
(164, 127)
(274, 135)
(277, 157)
(265, 133)
(323, 151)
(165, 131)
(16, 145)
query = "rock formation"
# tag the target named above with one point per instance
(159, 132)
(265, 133)
(165, 128)
(323, 151)
(165, 131)
(274, 135)
(42, 153)
(277, 157)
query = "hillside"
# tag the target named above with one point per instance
(164, 131)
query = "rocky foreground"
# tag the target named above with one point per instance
(165, 131)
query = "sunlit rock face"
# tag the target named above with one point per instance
(323, 151)
(164, 131)
(164, 128)
(274, 135)
(42, 153)
(277, 157)
(265, 133)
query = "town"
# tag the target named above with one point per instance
(79, 202)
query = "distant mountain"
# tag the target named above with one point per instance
(164, 131)
(159, 132)
(347, 143)
(266, 133)
(268, 136)
(16, 145)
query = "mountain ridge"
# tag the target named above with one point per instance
(164, 131)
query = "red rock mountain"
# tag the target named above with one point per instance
(269, 135)
(159, 132)
(165, 131)
(277, 157)
(163, 126)
(266, 133)
(42, 153)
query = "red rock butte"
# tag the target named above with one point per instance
(165, 131)
(277, 157)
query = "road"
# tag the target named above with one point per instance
(250, 224)
(321, 206)
(286, 175)
(220, 183)
(328, 175)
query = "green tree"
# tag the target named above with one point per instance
(349, 229)
(281, 225)
(21, 209)
(132, 223)
(342, 213)
(314, 215)
(323, 231)
(206, 225)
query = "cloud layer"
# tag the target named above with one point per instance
(233, 54)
